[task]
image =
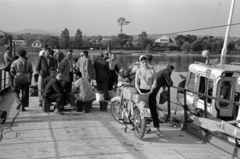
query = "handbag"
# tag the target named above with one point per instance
(23, 78)
(163, 97)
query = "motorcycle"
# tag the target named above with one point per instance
(130, 108)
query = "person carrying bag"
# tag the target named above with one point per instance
(22, 70)
(22, 78)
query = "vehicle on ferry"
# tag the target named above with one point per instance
(220, 81)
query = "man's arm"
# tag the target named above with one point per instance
(168, 79)
(56, 86)
(108, 69)
(61, 66)
(30, 71)
(38, 64)
(154, 85)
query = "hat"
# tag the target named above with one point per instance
(143, 56)
(22, 53)
(170, 66)
(149, 56)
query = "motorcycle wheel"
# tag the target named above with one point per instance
(116, 110)
(139, 124)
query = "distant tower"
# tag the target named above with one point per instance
(122, 21)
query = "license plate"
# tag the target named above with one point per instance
(146, 112)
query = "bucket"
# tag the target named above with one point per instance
(99, 96)
(46, 105)
(103, 105)
(86, 107)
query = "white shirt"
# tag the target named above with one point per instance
(42, 53)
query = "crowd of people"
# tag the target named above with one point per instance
(65, 81)
(59, 79)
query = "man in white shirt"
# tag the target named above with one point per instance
(82, 89)
(42, 52)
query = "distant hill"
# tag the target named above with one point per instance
(31, 31)
(56, 32)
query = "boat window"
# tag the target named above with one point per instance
(191, 83)
(203, 84)
(225, 93)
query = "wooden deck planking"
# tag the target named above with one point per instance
(95, 135)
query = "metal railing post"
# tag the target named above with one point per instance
(4, 79)
(205, 106)
(185, 106)
(169, 102)
(0, 80)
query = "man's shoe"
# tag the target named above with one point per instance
(68, 106)
(58, 111)
(63, 109)
(23, 109)
(107, 100)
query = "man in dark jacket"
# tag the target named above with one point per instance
(102, 75)
(66, 68)
(52, 73)
(54, 92)
(44, 63)
(163, 79)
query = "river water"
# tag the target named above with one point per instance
(180, 62)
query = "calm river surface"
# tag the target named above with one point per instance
(181, 62)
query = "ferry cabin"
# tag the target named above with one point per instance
(220, 81)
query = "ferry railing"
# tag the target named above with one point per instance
(235, 151)
(4, 79)
(185, 106)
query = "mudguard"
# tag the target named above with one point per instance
(117, 98)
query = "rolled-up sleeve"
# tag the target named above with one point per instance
(168, 79)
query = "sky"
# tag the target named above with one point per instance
(99, 17)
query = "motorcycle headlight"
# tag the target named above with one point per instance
(119, 84)
(142, 104)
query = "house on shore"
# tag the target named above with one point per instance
(20, 42)
(163, 39)
(37, 44)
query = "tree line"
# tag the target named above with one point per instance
(185, 43)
